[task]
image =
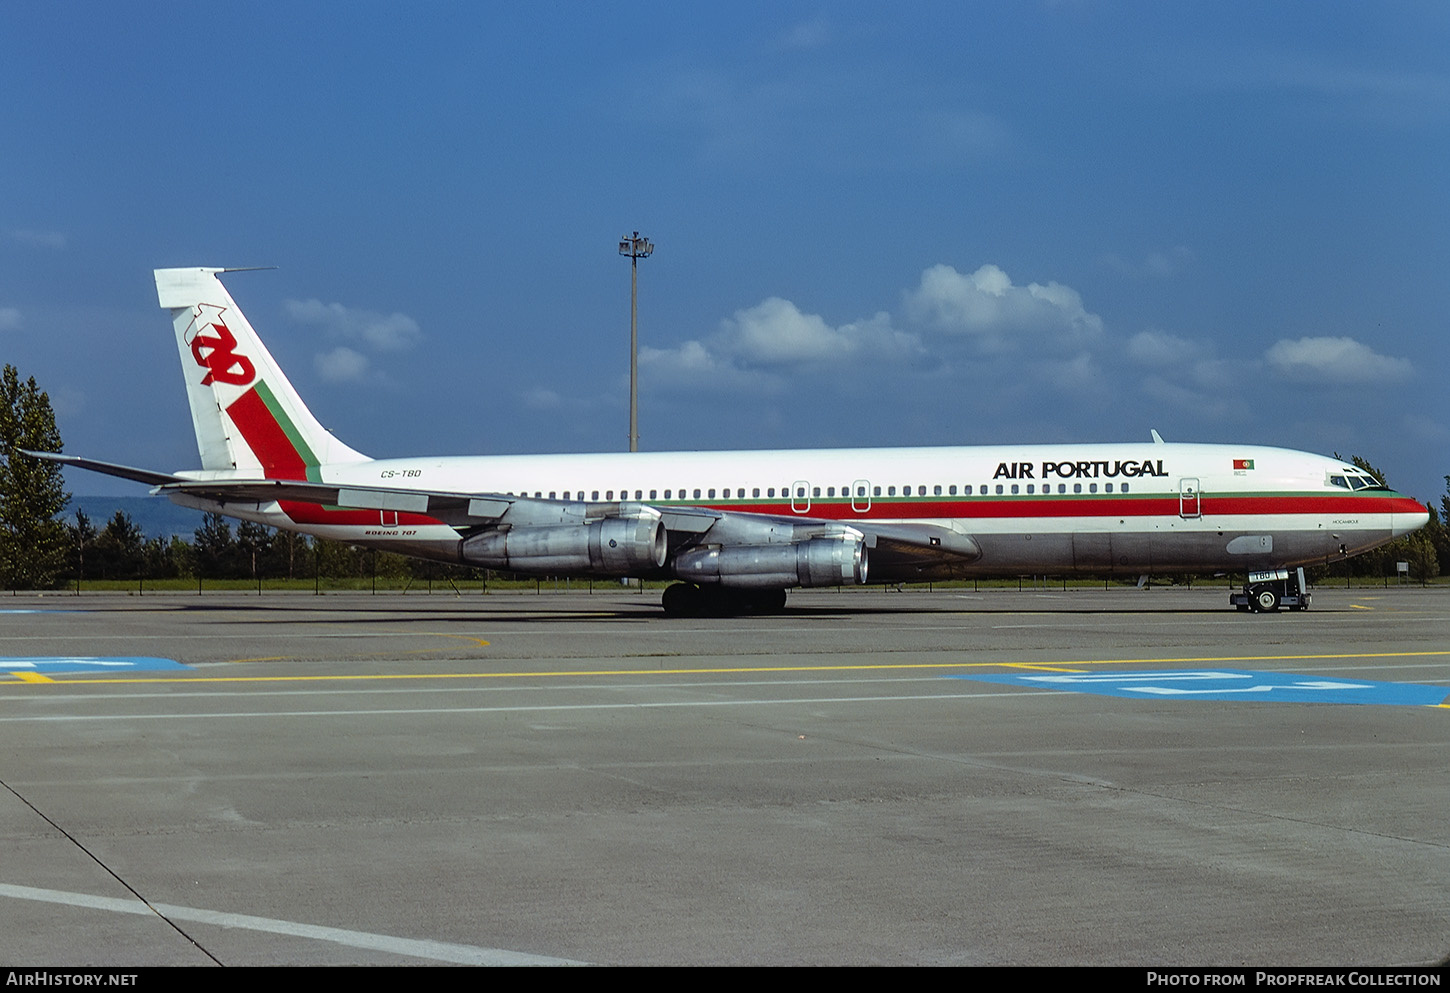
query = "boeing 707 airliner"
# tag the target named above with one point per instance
(738, 529)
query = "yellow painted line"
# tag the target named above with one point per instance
(726, 670)
(1036, 667)
(1359, 606)
(32, 677)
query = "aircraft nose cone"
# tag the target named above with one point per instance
(1410, 520)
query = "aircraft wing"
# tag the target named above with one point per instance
(149, 476)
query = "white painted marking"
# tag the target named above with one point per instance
(1260, 688)
(57, 718)
(1135, 677)
(62, 660)
(434, 951)
(1176, 691)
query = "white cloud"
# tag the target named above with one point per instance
(1079, 373)
(342, 365)
(695, 367)
(380, 332)
(988, 307)
(1334, 361)
(759, 344)
(1158, 348)
(776, 332)
(9, 318)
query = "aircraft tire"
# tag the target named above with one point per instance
(767, 602)
(683, 600)
(1265, 599)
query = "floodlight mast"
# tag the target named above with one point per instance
(635, 248)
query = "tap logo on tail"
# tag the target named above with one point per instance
(218, 356)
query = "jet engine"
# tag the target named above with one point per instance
(834, 560)
(612, 546)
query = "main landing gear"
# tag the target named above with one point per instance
(689, 600)
(1266, 592)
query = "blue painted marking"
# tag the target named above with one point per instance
(1227, 684)
(88, 663)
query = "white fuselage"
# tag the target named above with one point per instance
(1031, 508)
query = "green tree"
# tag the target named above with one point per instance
(214, 552)
(159, 559)
(254, 542)
(32, 492)
(118, 550)
(1420, 553)
(1439, 530)
(81, 538)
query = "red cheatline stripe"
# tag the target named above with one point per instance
(1048, 507)
(315, 513)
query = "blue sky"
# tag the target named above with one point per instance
(954, 223)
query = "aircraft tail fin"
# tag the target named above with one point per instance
(246, 414)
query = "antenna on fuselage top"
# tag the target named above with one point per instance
(1157, 438)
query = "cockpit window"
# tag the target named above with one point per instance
(1354, 481)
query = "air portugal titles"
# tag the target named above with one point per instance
(1100, 469)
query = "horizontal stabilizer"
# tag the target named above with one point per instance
(149, 476)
